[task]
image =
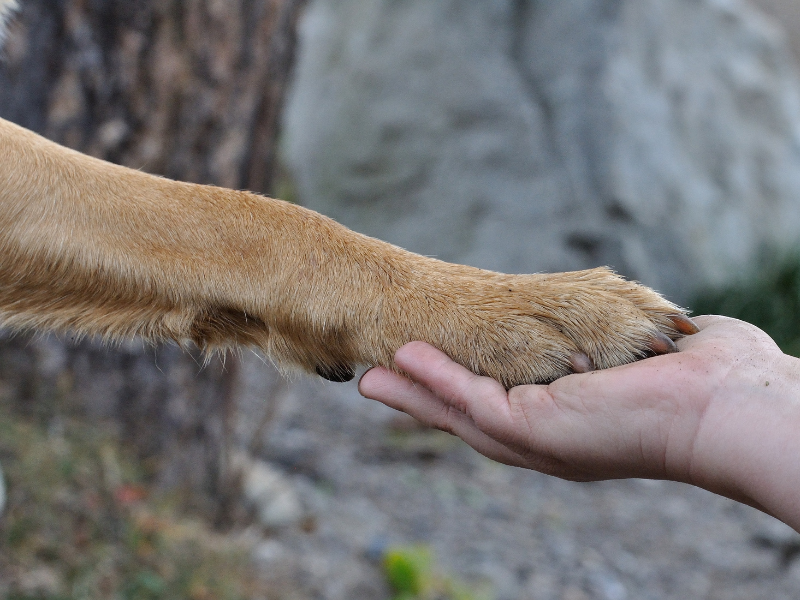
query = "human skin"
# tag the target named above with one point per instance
(722, 414)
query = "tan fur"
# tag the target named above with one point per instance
(100, 249)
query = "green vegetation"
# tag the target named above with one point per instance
(412, 575)
(82, 524)
(769, 299)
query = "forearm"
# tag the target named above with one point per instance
(748, 447)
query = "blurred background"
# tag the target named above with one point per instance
(659, 137)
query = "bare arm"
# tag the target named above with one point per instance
(722, 414)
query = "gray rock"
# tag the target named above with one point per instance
(788, 13)
(661, 137)
(270, 492)
(269, 553)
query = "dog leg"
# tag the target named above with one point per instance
(103, 250)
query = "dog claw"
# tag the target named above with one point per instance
(661, 344)
(580, 362)
(684, 324)
(338, 373)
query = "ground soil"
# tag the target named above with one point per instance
(369, 479)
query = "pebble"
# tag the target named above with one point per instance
(272, 494)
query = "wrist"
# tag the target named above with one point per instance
(747, 447)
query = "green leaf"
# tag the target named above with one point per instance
(408, 569)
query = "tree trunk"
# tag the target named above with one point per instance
(189, 89)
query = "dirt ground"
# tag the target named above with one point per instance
(369, 480)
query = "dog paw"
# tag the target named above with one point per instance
(521, 329)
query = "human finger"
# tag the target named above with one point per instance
(481, 398)
(402, 394)
(488, 406)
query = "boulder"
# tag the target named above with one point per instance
(269, 492)
(788, 13)
(660, 137)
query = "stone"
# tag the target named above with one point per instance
(788, 13)
(660, 137)
(270, 492)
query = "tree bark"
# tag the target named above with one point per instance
(189, 89)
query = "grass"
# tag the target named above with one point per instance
(82, 523)
(769, 299)
(412, 575)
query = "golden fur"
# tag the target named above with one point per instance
(99, 249)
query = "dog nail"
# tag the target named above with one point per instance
(684, 324)
(580, 362)
(339, 373)
(661, 344)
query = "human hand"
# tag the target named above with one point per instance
(722, 414)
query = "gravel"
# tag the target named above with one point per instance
(368, 479)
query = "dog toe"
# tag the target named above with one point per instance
(661, 344)
(683, 324)
(336, 373)
(580, 362)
